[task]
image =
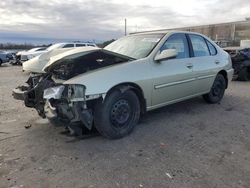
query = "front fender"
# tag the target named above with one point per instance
(102, 80)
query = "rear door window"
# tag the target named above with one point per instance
(211, 47)
(200, 47)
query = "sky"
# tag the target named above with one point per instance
(100, 20)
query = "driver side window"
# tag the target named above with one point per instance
(179, 43)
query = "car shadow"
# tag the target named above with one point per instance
(177, 109)
(174, 112)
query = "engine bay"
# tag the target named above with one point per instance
(71, 67)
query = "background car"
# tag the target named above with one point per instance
(5, 57)
(35, 65)
(23, 55)
(241, 62)
(27, 55)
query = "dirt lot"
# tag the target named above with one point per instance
(190, 144)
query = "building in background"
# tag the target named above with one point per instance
(224, 34)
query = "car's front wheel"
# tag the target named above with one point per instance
(217, 91)
(118, 114)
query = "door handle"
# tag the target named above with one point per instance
(217, 62)
(190, 66)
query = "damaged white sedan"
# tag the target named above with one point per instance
(110, 88)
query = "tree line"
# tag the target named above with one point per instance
(26, 46)
(13, 46)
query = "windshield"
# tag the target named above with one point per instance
(135, 46)
(54, 46)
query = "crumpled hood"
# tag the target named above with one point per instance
(77, 52)
(37, 63)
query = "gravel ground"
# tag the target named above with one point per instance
(189, 144)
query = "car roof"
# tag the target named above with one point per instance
(164, 32)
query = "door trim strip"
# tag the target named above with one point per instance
(204, 77)
(182, 81)
(173, 83)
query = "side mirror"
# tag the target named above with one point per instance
(166, 54)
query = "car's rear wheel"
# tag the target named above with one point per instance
(118, 114)
(244, 74)
(217, 91)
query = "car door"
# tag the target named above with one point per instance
(173, 78)
(205, 62)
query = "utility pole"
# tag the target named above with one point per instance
(125, 26)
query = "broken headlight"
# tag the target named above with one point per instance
(72, 93)
(76, 92)
(53, 92)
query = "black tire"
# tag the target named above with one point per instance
(1, 62)
(244, 74)
(217, 91)
(117, 116)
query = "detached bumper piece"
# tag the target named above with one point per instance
(20, 92)
(25, 94)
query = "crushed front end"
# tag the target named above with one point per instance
(56, 101)
(69, 103)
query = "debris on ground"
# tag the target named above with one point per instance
(163, 145)
(168, 175)
(27, 126)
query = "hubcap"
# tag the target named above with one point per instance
(120, 113)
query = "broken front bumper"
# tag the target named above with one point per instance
(23, 93)
(57, 101)
(32, 92)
